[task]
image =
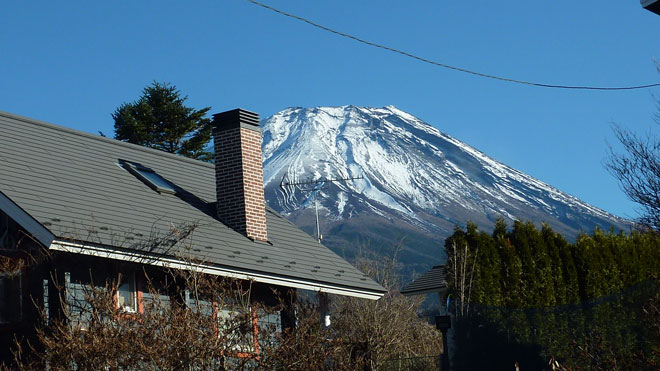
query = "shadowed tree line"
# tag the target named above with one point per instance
(534, 296)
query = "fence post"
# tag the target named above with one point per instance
(443, 323)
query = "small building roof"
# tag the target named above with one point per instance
(73, 184)
(435, 280)
(651, 5)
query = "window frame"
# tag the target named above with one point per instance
(251, 334)
(137, 306)
(149, 177)
(241, 351)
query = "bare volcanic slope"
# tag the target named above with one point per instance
(418, 183)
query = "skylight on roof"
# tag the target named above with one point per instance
(149, 177)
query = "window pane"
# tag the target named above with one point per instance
(269, 323)
(126, 293)
(80, 308)
(236, 328)
(155, 301)
(156, 180)
(204, 307)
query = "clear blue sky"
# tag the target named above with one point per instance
(72, 63)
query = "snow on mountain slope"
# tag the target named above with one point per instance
(412, 174)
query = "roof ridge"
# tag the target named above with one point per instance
(104, 139)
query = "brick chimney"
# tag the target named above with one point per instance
(239, 179)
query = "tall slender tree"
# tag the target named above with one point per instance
(160, 119)
(511, 267)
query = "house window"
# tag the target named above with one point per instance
(236, 325)
(202, 306)
(152, 301)
(126, 293)
(11, 298)
(79, 308)
(46, 302)
(149, 177)
(270, 324)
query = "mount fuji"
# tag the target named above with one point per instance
(414, 183)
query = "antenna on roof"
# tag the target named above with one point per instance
(315, 186)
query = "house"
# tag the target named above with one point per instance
(434, 281)
(104, 209)
(651, 5)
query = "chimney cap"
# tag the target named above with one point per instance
(236, 118)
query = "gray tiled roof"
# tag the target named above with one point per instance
(434, 280)
(71, 183)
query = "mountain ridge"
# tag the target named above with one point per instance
(414, 176)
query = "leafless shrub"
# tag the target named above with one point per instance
(307, 346)
(186, 320)
(16, 256)
(11, 266)
(168, 334)
(364, 333)
(389, 327)
(637, 169)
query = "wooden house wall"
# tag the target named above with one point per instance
(68, 277)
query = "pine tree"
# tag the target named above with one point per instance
(568, 268)
(608, 250)
(490, 273)
(488, 281)
(558, 281)
(543, 267)
(511, 267)
(520, 238)
(589, 268)
(159, 119)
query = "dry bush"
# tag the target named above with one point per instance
(22, 255)
(307, 346)
(364, 333)
(390, 327)
(11, 266)
(168, 334)
(182, 328)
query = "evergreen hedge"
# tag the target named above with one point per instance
(535, 296)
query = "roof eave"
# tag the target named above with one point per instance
(433, 290)
(25, 220)
(110, 252)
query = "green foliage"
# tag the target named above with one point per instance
(538, 296)
(613, 332)
(159, 119)
(487, 284)
(531, 268)
(553, 243)
(510, 267)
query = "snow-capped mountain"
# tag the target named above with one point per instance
(417, 182)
